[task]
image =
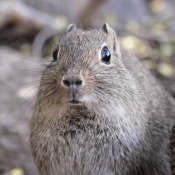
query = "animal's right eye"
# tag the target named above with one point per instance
(105, 55)
(55, 54)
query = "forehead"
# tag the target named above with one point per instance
(82, 42)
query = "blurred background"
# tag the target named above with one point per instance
(30, 31)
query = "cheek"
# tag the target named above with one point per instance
(55, 88)
(88, 84)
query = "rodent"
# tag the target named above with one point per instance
(99, 111)
(172, 147)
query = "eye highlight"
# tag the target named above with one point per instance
(105, 55)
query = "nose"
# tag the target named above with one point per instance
(72, 81)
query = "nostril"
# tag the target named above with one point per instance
(66, 82)
(72, 81)
(78, 83)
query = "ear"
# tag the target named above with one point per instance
(112, 37)
(71, 27)
(106, 28)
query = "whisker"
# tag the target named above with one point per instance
(31, 60)
(29, 75)
(31, 100)
(17, 103)
(31, 82)
(20, 70)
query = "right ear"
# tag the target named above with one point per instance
(112, 38)
(71, 27)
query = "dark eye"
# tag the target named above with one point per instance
(55, 54)
(105, 55)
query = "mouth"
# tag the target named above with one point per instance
(74, 102)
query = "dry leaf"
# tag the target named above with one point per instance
(16, 171)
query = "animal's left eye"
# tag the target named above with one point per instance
(55, 54)
(105, 55)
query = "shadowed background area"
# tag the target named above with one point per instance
(30, 31)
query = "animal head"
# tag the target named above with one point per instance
(87, 71)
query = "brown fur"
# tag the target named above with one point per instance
(172, 147)
(123, 123)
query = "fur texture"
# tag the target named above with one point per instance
(172, 147)
(121, 125)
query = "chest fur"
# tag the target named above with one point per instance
(76, 148)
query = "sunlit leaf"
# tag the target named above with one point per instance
(60, 21)
(111, 18)
(130, 42)
(157, 6)
(133, 26)
(140, 47)
(167, 50)
(150, 64)
(165, 69)
(16, 171)
(26, 49)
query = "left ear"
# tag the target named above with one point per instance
(71, 27)
(112, 38)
